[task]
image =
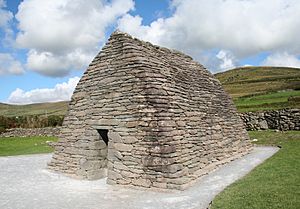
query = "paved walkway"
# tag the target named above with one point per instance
(26, 184)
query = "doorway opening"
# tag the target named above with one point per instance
(103, 135)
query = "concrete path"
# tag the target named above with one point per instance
(26, 184)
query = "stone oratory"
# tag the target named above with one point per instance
(147, 116)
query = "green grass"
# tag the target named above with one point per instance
(25, 145)
(275, 184)
(275, 100)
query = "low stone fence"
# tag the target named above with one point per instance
(287, 119)
(49, 131)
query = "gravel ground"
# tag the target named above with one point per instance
(25, 183)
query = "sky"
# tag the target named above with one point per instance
(45, 46)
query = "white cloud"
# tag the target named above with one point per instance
(5, 16)
(8, 65)
(61, 92)
(227, 59)
(217, 61)
(282, 59)
(243, 27)
(133, 25)
(63, 35)
(50, 64)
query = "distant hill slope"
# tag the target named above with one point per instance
(259, 80)
(262, 88)
(252, 88)
(56, 108)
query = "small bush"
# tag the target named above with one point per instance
(2, 129)
(55, 120)
(294, 99)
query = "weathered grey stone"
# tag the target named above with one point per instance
(120, 166)
(175, 167)
(113, 175)
(108, 122)
(90, 165)
(123, 147)
(263, 124)
(162, 149)
(167, 123)
(113, 155)
(130, 139)
(181, 123)
(115, 137)
(132, 124)
(96, 174)
(160, 185)
(97, 145)
(141, 182)
(127, 174)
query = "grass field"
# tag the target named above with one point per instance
(275, 184)
(275, 100)
(25, 145)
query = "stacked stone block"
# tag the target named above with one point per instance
(168, 119)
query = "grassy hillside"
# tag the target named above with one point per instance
(262, 88)
(56, 108)
(248, 81)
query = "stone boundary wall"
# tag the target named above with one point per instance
(25, 132)
(286, 119)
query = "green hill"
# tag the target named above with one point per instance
(262, 88)
(247, 81)
(55, 108)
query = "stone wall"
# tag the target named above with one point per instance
(287, 119)
(24, 132)
(167, 119)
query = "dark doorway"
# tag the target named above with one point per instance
(103, 135)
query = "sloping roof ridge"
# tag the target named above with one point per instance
(119, 32)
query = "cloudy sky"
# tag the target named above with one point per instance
(45, 46)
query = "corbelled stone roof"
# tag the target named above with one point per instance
(167, 119)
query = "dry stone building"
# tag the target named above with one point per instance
(147, 116)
